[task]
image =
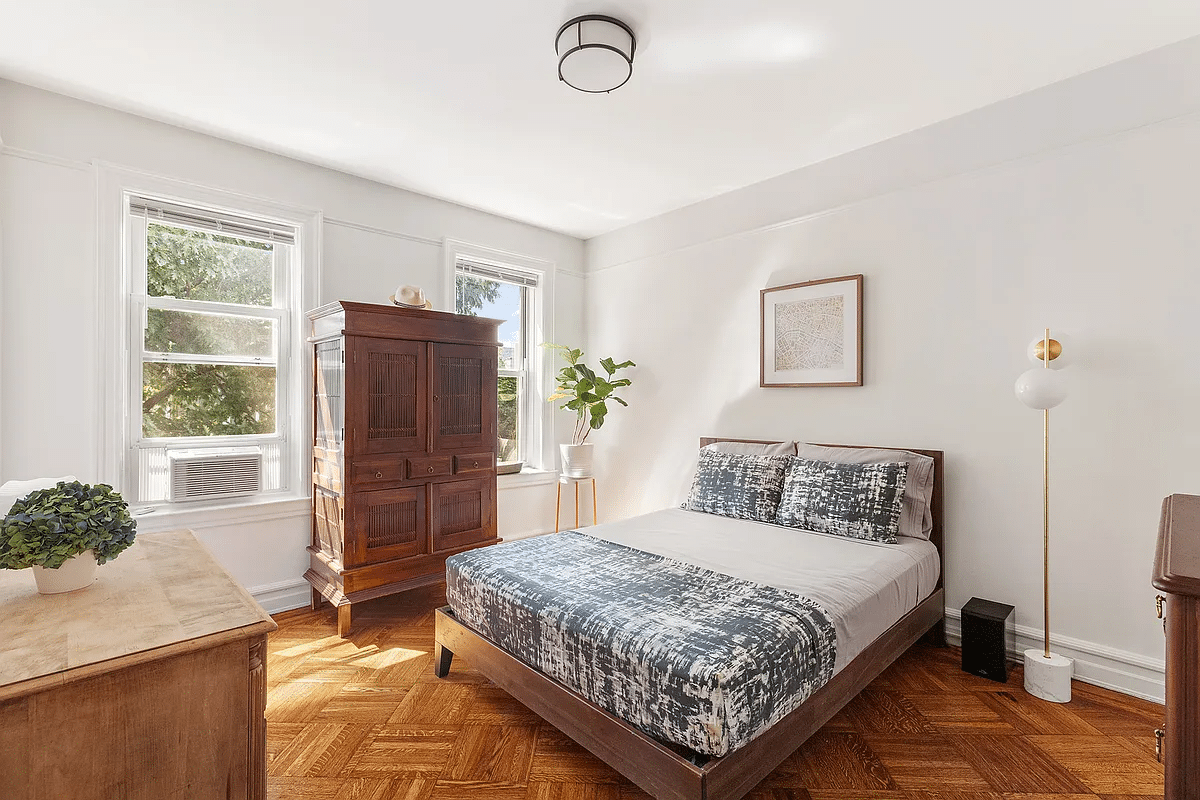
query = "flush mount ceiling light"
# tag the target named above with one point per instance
(595, 53)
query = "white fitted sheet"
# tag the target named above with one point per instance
(865, 586)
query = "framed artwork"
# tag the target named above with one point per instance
(812, 333)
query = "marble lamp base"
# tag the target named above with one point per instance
(1048, 678)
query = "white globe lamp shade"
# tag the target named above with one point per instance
(595, 53)
(1041, 388)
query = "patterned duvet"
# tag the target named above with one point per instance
(688, 655)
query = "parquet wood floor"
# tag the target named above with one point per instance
(364, 718)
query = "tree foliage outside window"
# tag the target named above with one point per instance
(205, 399)
(472, 292)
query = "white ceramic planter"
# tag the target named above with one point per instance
(75, 573)
(576, 460)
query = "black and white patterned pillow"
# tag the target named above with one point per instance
(859, 501)
(738, 485)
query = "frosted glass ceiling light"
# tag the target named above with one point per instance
(595, 53)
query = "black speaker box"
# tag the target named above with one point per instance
(985, 635)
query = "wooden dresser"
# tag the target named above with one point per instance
(149, 684)
(404, 457)
(1177, 575)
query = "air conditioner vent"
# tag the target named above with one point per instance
(214, 472)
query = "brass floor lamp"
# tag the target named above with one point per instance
(1047, 674)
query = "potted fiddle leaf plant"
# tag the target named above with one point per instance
(587, 393)
(64, 532)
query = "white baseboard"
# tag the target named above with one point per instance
(282, 596)
(1096, 664)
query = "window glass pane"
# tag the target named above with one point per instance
(192, 265)
(209, 334)
(509, 419)
(207, 400)
(481, 297)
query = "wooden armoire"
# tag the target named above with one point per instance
(404, 457)
(1177, 575)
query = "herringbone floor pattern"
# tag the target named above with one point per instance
(365, 719)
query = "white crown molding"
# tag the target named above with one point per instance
(45, 158)
(1097, 664)
(410, 237)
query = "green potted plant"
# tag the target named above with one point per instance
(64, 532)
(587, 394)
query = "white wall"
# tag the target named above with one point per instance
(1098, 239)
(375, 237)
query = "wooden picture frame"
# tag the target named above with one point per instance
(811, 333)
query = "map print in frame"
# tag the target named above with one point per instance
(811, 333)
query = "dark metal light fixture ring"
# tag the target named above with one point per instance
(576, 44)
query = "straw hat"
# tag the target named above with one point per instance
(410, 297)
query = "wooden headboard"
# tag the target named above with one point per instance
(935, 502)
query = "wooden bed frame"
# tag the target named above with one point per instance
(667, 772)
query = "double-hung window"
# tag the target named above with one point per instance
(209, 339)
(511, 294)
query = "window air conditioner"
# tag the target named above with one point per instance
(214, 472)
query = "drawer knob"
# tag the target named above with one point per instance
(378, 474)
(1158, 744)
(1158, 603)
(431, 470)
(475, 463)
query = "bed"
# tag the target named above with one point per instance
(879, 600)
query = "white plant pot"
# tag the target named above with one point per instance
(75, 573)
(576, 460)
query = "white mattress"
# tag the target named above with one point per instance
(865, 586)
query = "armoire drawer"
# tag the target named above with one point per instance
(388, 471)
(473, 462)
(428, 467)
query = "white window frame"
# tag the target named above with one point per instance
(119, 327)
(536, 415)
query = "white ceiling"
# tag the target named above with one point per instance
(460, 100)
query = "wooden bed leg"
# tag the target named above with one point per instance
(343, 620)
(442, 656)
(937, 634)
(316, 599)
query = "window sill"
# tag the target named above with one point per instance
(526, 477)
(166, 516)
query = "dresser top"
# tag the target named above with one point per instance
(1177, 562)
(165, 591)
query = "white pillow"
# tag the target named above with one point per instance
(916, 515)
(12, 491)
(753, 448)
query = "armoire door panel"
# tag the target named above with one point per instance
(463, 378)
(388, 384)
(463, 512)
(386, 524)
